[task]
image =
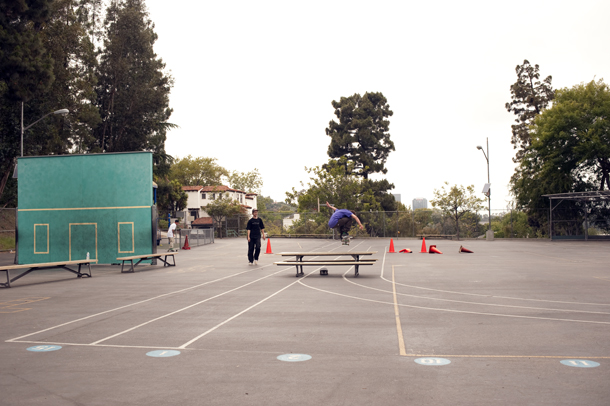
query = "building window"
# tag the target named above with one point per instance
(203, 196)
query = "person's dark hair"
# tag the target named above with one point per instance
(177, 221)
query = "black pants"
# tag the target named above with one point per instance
(254, 249)
(344, 224)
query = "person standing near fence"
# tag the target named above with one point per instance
(170, 235)
(255, 229)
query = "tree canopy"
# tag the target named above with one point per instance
(570, 147)
(199, 171)
(361, 135)
(117, 95)
(133, 89)
(529, 98)
(337, 184)
(250, 182)
(222, 208)
(456, 202)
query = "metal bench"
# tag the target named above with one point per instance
(144, 257)
(47, 265)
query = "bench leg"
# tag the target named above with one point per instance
(166, 263)
(78, 273)
(8, 280)
(132, 266)
(356, 271)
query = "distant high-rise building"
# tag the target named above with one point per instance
(397, 197)
(420, 203)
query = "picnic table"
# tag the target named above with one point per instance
(300, 262)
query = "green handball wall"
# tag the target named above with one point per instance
(71, 205)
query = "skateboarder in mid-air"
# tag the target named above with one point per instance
(342, 220)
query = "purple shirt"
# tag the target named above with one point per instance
(338, 214)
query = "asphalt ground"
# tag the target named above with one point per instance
(521, 322)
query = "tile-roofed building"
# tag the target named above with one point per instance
(201, 196)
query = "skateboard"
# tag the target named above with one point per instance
(345, 240)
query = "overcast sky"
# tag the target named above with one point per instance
(254, 81)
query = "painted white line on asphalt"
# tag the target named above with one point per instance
(129, 305)
(469, 303)
(188, 307)
(457, 311)
(249, 308)
(490, 296)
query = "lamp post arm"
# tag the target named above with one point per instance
(48, 114)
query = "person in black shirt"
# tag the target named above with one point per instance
(255, 229)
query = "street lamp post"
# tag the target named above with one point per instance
(62, 112)
(489, 232)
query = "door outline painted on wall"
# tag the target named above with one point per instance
(133, 246)
(47, 231)
(70, 238)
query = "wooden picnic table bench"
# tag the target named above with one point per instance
(299, 262)
(47, 265)
(144, 257)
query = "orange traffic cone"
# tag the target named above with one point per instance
(406, 250)
(391, 246)
(433, 250)
(462, 249)
(186, 243)
(268, 246)
(423, 246)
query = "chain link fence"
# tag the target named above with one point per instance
(196, 236)
(8, 219)
(569, 223)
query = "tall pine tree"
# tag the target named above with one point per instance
(133, 89)
(361, 135)
(529, 98)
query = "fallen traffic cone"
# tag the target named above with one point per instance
(391, 246)
(406, 250)
(268, 246)
(462, 249)
(433, 250)
(423, 246)
(186, 243)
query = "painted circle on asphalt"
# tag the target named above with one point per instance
(162, 353)
(294, 357)
(580, 363)
(432, 361)
(45, 348)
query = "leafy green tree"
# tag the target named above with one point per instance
(60, 31)
(133, 89)
(170, 196)
(456, 201)
(25, 65)
(569, 152)
(361, 135)
(220, 209)
(335, 184)
(25, 68)
(513, 225)
(74, 64)
(529, 98)
(198, 171)
(250, 182)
